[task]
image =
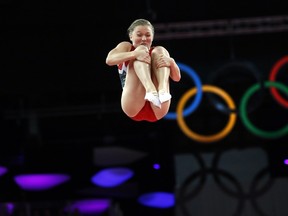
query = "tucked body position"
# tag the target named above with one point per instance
(145, 72)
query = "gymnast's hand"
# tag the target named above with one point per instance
(163, 61)
(143, 55)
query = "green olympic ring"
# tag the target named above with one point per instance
(248, 123)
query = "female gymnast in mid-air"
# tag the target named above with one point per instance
(145, 72)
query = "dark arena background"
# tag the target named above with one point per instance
(221, 150)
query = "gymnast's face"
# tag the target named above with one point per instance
(142, 35)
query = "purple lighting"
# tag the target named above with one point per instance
(39, 182)
(286, 161)
(112, 177)
(3, 170)
(87, 207)
(156, 166)
(10, 208)
(157, 199)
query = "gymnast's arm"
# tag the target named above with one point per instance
(121, 53)
(175, 74)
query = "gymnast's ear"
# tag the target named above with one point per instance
(130, 37)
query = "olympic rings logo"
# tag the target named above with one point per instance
(197, 92)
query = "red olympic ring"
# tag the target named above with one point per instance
(280, 63)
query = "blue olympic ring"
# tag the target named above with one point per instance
(195, 103)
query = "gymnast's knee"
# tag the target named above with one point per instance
(141, 47)
(159, 50)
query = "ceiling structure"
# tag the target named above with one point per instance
(59, 101)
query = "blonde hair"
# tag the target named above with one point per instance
(139, 22)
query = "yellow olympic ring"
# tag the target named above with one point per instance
(212, 138)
